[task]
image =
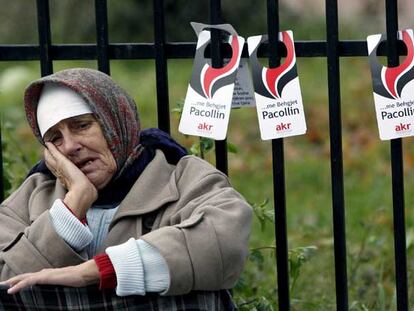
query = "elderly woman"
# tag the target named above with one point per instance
(112, 205)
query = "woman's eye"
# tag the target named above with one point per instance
(55, 140)
(83, 125)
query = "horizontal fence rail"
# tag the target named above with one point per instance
(332, 49)
(175, 50)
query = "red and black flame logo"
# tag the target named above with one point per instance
(390, 82)
(205, 79)
(270, 82)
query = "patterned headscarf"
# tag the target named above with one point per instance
(113, 108)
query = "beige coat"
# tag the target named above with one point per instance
(201, 229)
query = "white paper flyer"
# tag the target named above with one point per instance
(393, 89)
(277, 92)
(208, 101)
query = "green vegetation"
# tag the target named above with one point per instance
(309, 212)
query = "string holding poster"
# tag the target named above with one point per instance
(277, 91)
(207, 104)
(393, 89)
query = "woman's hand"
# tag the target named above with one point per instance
(81, 192)
(75, 276)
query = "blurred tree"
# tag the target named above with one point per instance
(17, 20)
(73, 21)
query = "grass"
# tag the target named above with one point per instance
(367, 181)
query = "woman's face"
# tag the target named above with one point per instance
(81, 140)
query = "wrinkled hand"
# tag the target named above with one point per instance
(75, 276)
(68, 174)
(81, 192)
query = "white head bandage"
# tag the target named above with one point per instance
(56, 103)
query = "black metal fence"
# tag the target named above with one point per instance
(333, 49)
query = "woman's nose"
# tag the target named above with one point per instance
(70, 145)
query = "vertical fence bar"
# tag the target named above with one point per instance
(45, 41)
(279, 194)
(337, 179)
(102, 42)
(279, 191)
(217, 62)
(161, 68)
(397, 172)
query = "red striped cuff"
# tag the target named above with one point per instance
(107, 274)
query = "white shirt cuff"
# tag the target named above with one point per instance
(157, 276)
(68, 227)
(139, 268)
(127, 262)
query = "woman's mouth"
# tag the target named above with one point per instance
(85, 164)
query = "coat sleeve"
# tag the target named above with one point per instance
(30, 245)
(205, 246)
